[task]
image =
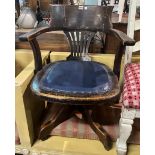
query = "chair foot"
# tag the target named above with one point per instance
(97, 128)
(125, 126)
(106, 141)
(121, 151)
(55, 115)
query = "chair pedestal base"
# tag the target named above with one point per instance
(56, 114)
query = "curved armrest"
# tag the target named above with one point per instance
(33, 34)
(125, 40)
(31, 37)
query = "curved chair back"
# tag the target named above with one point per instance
(92, 18)
(80, 23)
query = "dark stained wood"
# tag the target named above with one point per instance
(107, 115)
(108, 98)
(69, 19)
(37, 55)
(79, 42)
(110, 115)
(33, 34)
(124, 39)
(98, 129)
(117, 60)
(57, 42)
(47, 41)
(83, 18)
(56, 114)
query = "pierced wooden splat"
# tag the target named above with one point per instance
(79, 43)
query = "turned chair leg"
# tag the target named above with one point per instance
(125, 128)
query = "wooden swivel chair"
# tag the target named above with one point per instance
(77, 84)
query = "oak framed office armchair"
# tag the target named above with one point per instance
(77, 84)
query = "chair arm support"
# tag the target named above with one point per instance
(125, 40)
(33, 34)
(31, 37)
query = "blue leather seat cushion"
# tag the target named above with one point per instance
(77, 77)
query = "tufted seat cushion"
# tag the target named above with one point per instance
(131, 89)
(76, 78)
